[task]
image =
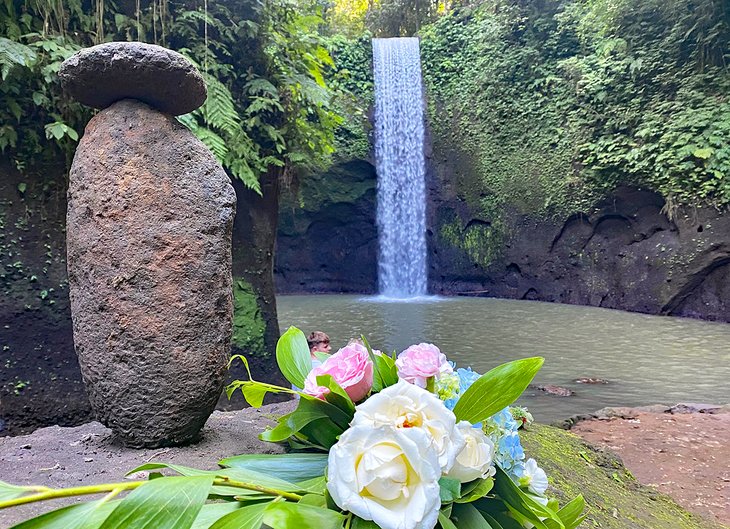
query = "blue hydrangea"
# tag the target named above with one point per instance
(466, 377)
(505, 421)
(509, 451)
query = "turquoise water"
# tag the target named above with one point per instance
(646, 359)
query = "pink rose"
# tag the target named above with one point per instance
(421, 362)
(351, 368)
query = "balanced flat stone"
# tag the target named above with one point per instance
(162, 78)
(150, 216)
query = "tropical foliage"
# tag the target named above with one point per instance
(548, 106)
(263, 62)
(383, 450)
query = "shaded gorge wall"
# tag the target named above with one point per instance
(570, 158)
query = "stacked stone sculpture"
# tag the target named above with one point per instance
(150, 216)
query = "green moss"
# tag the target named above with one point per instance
(248, 323)
(343, 183)
(615, 499)
(482, 242)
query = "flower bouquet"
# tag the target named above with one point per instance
(377, 441)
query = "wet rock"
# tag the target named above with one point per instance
(591, 380)
(150, 215)
(552, 389)
(164, 79)
(694, 407)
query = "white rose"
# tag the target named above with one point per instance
(387, 475)
(534, 478)
(475, 459)
(406, 406)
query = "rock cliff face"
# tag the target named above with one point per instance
(327, 239)
(625, 253)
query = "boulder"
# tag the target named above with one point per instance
(150, 214)
(164, 79)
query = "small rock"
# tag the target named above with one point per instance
(693, 407)
(591, 380)
(88, 460)
(103, 74)
(557, 391)
(25, 447)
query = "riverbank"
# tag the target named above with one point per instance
(62, 457)
(682, 451)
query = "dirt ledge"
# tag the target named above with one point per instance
(57, 456)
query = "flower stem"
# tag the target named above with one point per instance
(52, 494)
(259, 488)
(45, 493)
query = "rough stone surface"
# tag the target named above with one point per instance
(327, 239)
(150, 214)
(551, 389)
(624, 254)
(100, 75)
(685, 455)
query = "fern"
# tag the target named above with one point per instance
(14, 54)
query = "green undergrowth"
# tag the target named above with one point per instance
(248, 322)
(543, 109)
(614, 498)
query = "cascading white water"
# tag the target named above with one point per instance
(400, 164)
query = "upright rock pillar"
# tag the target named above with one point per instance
(150, 215)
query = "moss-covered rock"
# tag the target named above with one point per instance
(614, 498)
(248, 323)
(327, 239)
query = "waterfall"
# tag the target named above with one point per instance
(400, 164)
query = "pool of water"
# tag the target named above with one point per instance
(646, 359)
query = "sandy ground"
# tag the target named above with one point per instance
(89, 454)
(685, 455)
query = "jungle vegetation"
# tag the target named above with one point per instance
(553, 103)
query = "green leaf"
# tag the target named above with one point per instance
(483, 486)
(254, 394)
(290, 467)
(359, 523)
(164, 502)
(520, 504)
(285, 515)
(384, 371)
(212, 512)
(496, 389)
(237, 474)
(445, 522)
(703, 154)
(250, 517)
(22, 186)
(82, 516)
(571, 513)
(449, 489)
(293, 357)
(337, 396)
(9, 492)
(318, 500)
(468, 517)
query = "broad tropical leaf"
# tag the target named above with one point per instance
(169, 502)
(496, 389)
